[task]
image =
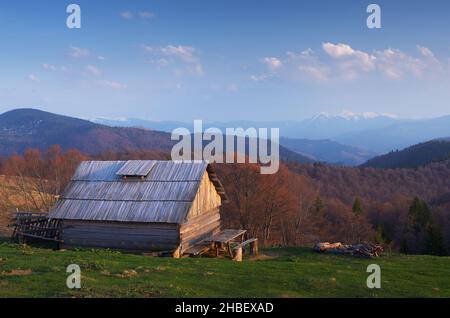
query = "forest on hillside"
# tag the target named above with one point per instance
(403, 209)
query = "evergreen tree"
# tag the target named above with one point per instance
(422, 233)
(420, 214)
(357, 207)
(319, 206)
(382, 236)
(435, 242)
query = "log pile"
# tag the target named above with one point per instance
(368, 250)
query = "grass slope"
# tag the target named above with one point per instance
(294, 272)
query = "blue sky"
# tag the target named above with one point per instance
(225, 60)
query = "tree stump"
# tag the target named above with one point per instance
(238, 254)
(254, 247)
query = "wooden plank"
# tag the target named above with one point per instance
(246, 242)
(199, 220)
(184, 233)
(39, 237)
(198, 249)
(206, 229)
(227, 235)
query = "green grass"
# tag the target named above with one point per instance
(289, 272)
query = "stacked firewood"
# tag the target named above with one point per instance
(360, 249)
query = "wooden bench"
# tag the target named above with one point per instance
(239, 249)
(225, 238)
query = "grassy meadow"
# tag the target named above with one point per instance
(290, 272)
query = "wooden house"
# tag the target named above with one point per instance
(140, 205)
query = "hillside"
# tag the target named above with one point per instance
(317, 150)
(414, 156)
(328, 151)
(377, 133)
(398, 135)
(31, 128)
(289, 272)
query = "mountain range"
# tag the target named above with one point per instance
(371, 132)
(413, 157)
(31, 128)
(322, 126)
(349, 139)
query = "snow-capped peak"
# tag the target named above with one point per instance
(349, 115)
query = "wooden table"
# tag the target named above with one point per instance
(226, 237)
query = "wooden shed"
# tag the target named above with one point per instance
(140, 205)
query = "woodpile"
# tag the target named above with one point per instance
(368, 250)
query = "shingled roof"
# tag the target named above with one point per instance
(133, 191)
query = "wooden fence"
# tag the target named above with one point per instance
(35, 226)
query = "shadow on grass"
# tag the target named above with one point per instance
(36, 244)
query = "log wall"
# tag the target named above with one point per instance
(120, 235)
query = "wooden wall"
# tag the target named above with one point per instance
(203, 219)
(199, 228)
(120, 235)
(206, 199)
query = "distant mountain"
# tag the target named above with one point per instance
(322, 126)
(414, 156)
(295, 133)
(328, 151)
(164, 126)
(398, 135)
(377, 133)
(30, 128)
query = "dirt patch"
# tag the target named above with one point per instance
(208, 274)
(128, 273)
(17, 272)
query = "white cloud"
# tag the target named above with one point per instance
(173, 54)
(337, 50)
(162, 62)
(273, 63)
(93, 70)
(186, 53)
(315, 72)
(309, 65)
(305, 54)
(355, 60)
(113, 85)
(49, 67)
(347, 63)
(396, 64)
(425, 51)
(77, 52)
(146, 15)
(127, 15)
(34, 78)
(260, 78)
